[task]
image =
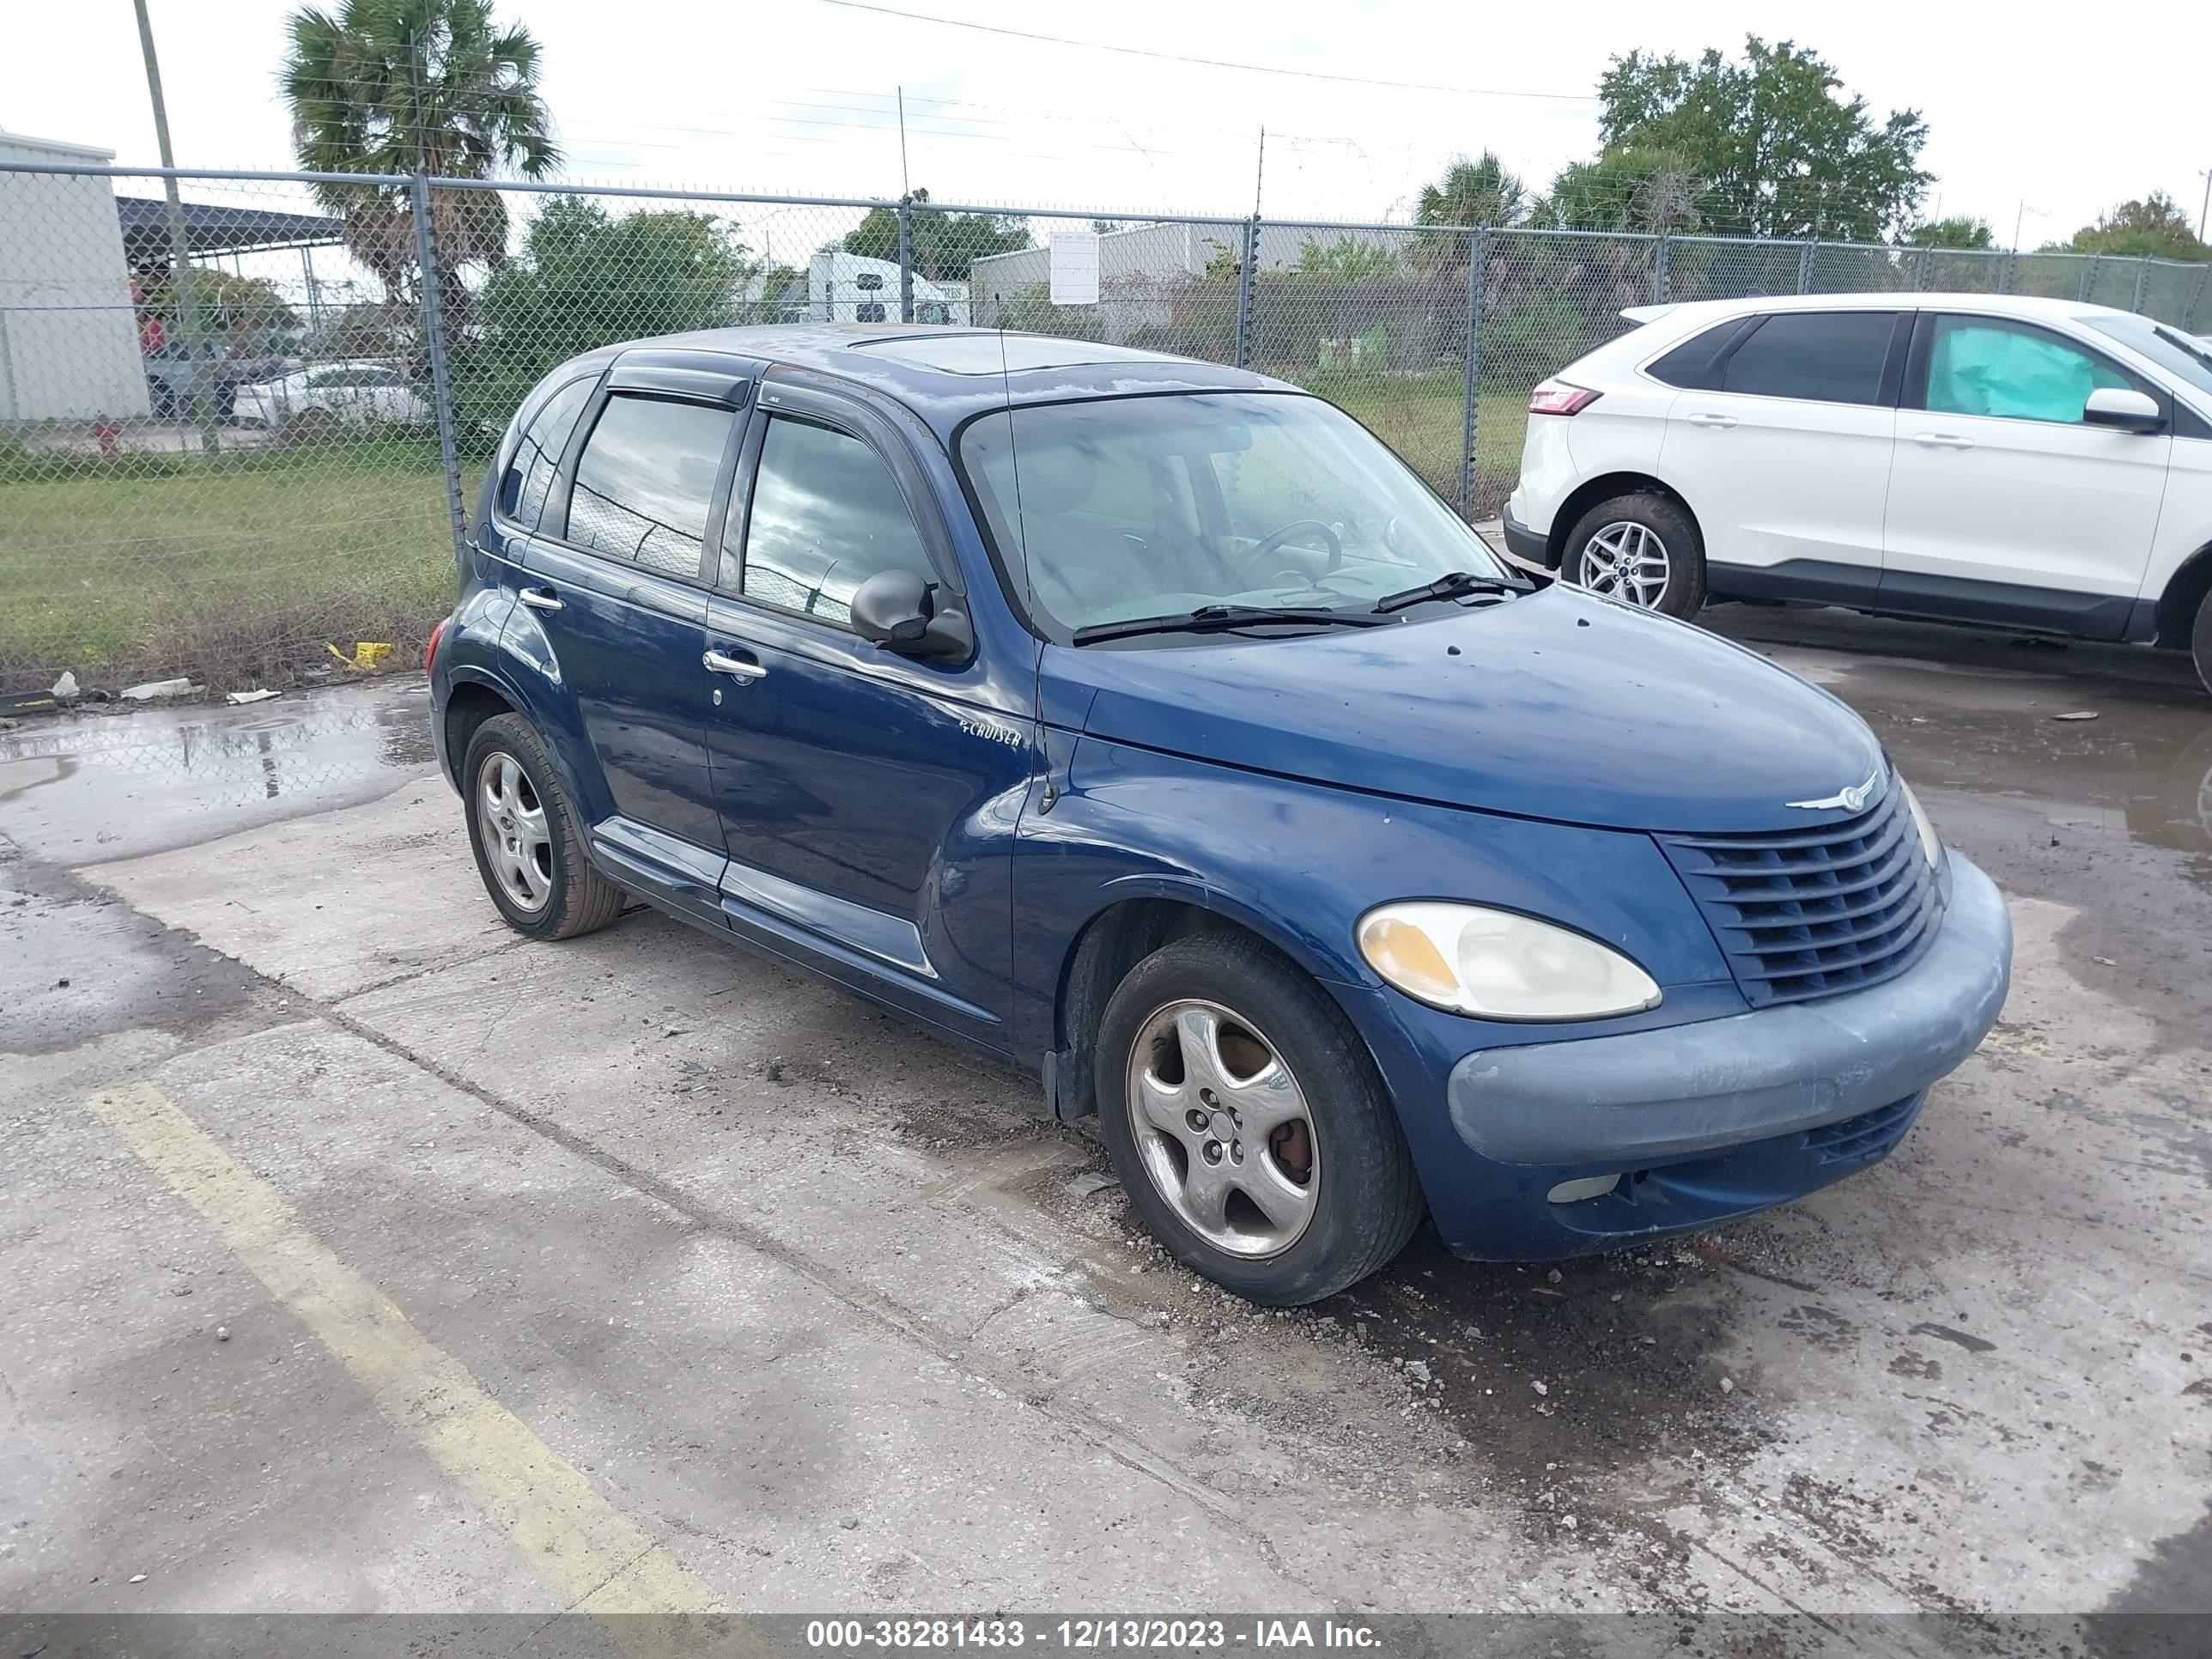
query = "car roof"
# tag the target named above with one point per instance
(946, 373)
(2018, 305)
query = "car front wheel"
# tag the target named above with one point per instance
(1642, 549)
(1249, 1123)
(527, 838)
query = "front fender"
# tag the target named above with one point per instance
(1298, 863)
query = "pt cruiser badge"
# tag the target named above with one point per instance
(1850, 799)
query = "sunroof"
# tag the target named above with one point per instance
(982, 354)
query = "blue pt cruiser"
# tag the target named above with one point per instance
(1149, 725)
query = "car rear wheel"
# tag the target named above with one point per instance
(1249, 1123)
(2199, 642)
(1643, 550)
(528, 839)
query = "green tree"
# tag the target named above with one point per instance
(1477, 192)
(1776, 148)
(406, 86)
(247, 310)
(2153, 227)
(1960, 231)
(944, 245)
(1626, 190)
(585, 279)
(1346, 260)
(1480, 192)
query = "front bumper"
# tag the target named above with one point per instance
(1715, 1119)
(1684, 1089)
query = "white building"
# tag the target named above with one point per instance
(1143, 269)
(68, 334)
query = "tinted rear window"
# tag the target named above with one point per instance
(1690, 363)
(645, 480)
(1823, 356)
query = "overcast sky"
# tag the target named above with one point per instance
(796, 94)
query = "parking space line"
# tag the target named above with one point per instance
(586, 1552)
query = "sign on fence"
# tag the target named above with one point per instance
(1074, 267)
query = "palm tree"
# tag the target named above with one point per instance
(433, 87)
(1470, 194)
(1473, 193)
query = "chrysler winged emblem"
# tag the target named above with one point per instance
(1850, 799)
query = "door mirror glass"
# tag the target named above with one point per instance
(2123, 407)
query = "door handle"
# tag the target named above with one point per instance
(540, 598)
(1705, 419)
(736, 667)
(1942, 441)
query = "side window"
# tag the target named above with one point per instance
(1986, 366)
(826, 515)
(645, 480)
(1819, 356)
(1690, 363)
(537, 458)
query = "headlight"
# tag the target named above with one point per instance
(1496, 965)
(1929, 844)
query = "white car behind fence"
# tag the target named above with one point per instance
(353, 395)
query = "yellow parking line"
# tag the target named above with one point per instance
(587, 1552)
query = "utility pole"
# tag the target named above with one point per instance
(906, 184)
(182, 281)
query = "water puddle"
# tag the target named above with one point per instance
(101, 784)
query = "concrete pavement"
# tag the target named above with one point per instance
(366, 1256)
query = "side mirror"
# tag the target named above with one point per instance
(2123, 408)
(897, 611)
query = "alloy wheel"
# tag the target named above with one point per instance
(1626, 562)
(511, 821)
(1223, 1128)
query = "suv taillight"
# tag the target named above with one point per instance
(430, 650)
(1557, 398)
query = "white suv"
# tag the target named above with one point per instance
(2017, 463)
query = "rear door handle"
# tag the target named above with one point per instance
(1942, 441)
(736, 667)
(541, 598)
(1703, 419)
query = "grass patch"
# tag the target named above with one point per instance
(1421, 416)
(233, 572)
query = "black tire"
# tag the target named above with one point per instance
(1684, 595)
(1366, 1201)
(577, 901)
(2199, 642)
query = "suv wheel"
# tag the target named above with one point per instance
(2199, 642)
(528, 843)
(1641, 550)
(1249, 1123)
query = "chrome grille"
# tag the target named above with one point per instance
(1810, 913)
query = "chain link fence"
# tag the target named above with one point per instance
(238, 423)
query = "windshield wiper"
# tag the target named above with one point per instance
(1452, 585)
(1221, 618)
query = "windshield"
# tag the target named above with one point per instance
(2169, 348)
(1126, 507)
